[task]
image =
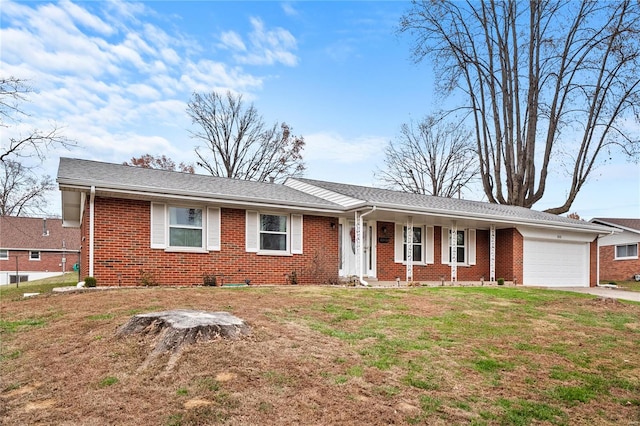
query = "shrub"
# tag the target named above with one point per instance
(90, 282)
(148, 279)
(209, 280)
(500, 281)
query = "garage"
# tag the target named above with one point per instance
(559, 260)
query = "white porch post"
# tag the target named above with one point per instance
(409, 242)
(358, 242)
(492, 253)
(453, 239)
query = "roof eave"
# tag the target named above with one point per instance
(76, 184)
(600, 230)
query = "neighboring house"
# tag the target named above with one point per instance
(34, 248)
(143, 226)
(619, 252)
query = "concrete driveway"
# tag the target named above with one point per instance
(613, 293)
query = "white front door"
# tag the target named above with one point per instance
(348, 255)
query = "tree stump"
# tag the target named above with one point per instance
(173, 330)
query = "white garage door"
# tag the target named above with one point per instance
(555, 264)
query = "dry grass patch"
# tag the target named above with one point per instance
(327, 355)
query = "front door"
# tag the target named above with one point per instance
(348, 255)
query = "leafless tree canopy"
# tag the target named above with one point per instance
(148, 161)
(23, 190)
(23, 186)
(35, 143)
(238, 144)
(431, 158)
(541, 79)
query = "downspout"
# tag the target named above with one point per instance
(91, 226)
(361, 251)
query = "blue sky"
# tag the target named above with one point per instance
(117, 76)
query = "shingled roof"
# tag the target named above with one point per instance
(627, 224)
(107, 176)
(32, 233)
(385, 198)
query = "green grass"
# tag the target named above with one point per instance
(108, 381)
(19, 325)
(100, 317)
(625, 285)
(38, 286)
(489, 321)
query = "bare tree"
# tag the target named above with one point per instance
(148, 161)
(431, 158)
(24, 188)
(541, 80)
(238, 144)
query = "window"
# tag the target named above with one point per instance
(22, 278)
(4, 254)
(185, 227)
(273, 232)
(417, 243)
(627, 251)
(34, 255)
(460, 242)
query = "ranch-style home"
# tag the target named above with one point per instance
(619, 260)
(144, 226)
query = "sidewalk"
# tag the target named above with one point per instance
(613, 293)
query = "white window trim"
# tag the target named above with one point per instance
(446, 253)
(287, 234)
(615, 252)
(160, 226)
(202, 228)
(294, 233)
(422, 246)
(35, 259)
(427, 245)
(4, 257)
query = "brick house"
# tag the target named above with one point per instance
(143, 226)
(618, 252)
(36, 248)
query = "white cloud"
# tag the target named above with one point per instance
(86, 19)
(334, 147)
(289, 10)
(231, 40)
(268, 47)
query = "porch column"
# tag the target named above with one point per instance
(453, 243)
(492, 253)
(358, 244)
(409, 241)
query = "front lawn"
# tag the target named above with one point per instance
(327, 355)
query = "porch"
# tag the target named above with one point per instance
(374, 283)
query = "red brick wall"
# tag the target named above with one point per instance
(616, 270)
(122, 253)
(49, 261)
(388, 270)
(509, 252)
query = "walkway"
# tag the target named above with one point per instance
(613, 293)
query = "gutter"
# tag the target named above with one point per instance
(220, 199)
(361, 251)
(480, 217)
